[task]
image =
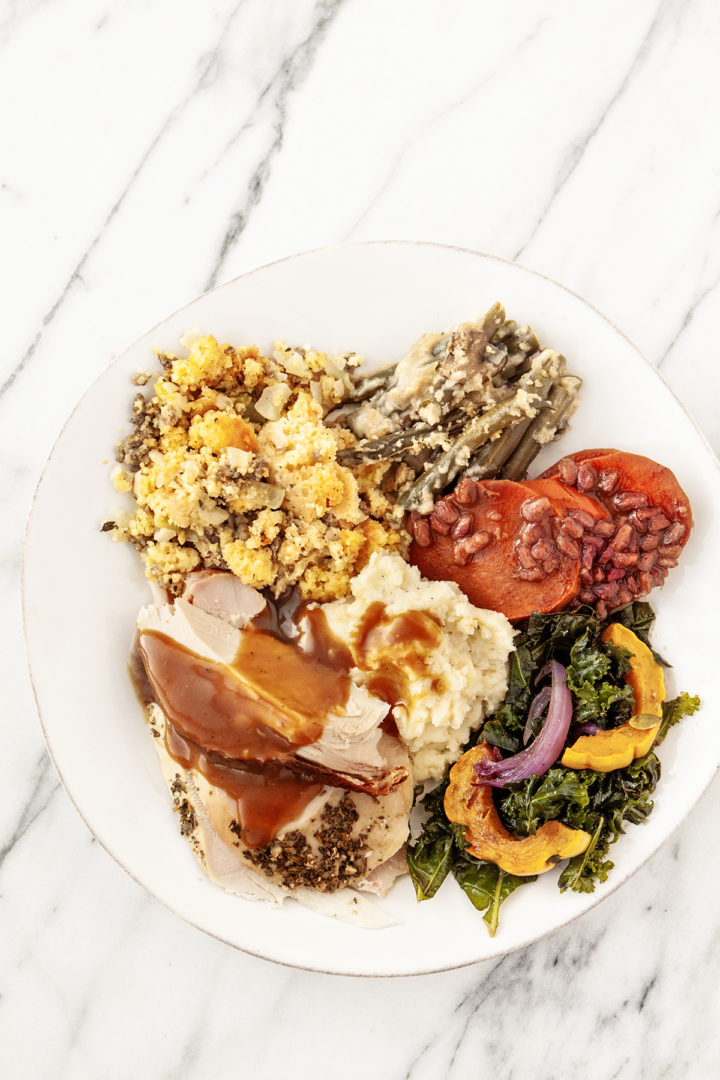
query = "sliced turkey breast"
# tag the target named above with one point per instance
(223, 595)
(284, 779)
(216, 846)
(345, 751)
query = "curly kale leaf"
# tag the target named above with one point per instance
(674, 710)
(596, 678)
(505, 727)
(592, 865)
(559, 794)
(605, 704)
(588, 661)
(560, 630)
(638, 617)
(601, 804)
(624, 795)
(598, 803)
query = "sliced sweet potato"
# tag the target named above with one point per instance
(569, 498)
(634, 473)
(614, 525)
(578, 457)
(472, 805)
(651, 518)
(483, 536)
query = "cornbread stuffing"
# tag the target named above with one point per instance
(233, 465)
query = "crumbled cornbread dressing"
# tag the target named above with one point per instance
(232, 465)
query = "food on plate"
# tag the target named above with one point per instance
(602, 526)
(478, 537)
(284, 778)
(602, 668)
(336, 559)
(605, 751)
(481, 400)
(292, 469)
(440, 695)
(274, 725)
(470, 805)
(233, 466)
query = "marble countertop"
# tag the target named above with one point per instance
(153, 149)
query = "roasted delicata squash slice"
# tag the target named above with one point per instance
(616, 748)
(470, 804)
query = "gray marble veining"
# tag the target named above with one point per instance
(151, 150)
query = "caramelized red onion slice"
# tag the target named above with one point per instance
(544, 751)
(588, 728)
(539, 704)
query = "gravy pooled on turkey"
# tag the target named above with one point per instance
(267, 731)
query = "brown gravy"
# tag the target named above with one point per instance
(390, 646)
(138, 675)
(272, 699)
(266, 797)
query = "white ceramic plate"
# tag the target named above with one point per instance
(81, 591)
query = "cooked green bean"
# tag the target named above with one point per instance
(521, 345)
(467, 354)
(490, 458)
(371, 384)
(410, 378)
(397, 444)
(525, 403)
(562, 402)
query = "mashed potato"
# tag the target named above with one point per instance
(451, 687)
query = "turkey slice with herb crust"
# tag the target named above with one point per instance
(340, 840)
(319, 805)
